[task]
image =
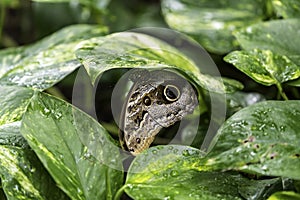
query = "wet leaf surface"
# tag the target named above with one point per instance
(238, 100)
(165, 172)
(264, 66)
(287, 8)
(10, 135)
(171, 172)
(259, 139)
(260, 189)
(78, 154)
(46, 62)
(285, 196)
(211, 23)
(22, 174)
(277, 36)
(13, 103)
(135, 50)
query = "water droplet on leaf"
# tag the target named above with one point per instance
(185, 152)
(174, 173)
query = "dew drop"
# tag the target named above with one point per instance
(16, 188)
(32, 170)
(244, 123)
(92, 63)
(79, 191)
(28, 73)
(87, 156)
(46, 112)
(253, 128)
(89, 188)
(185, 152)
(262, 127)
(249, 30)
(129, 186)
(175, 151)
(174, 173)
(282, 128)
(57, 115)
(160, 147)
(154, 151)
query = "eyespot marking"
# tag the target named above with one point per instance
(171, 93)
(147, 101)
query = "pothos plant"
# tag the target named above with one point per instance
(50, 149)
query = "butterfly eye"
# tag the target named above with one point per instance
(171, 93)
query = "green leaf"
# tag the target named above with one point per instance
(134, 50)
(287, 8)
(295, 83)
(285, 195)
(46, 62)
(264, 66)
(295, 59)
(259, 139)
(238, 100)
(171, 172)
(260, 189)
(10, 135)
(13, 103)
(278, 36)
(165, 172)
(22, 174)
(74, 148)
(211, 23)
(23, 177)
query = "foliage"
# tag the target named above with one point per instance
(50, 149)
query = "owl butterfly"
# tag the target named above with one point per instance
(156, 100)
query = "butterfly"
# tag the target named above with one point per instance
(156, 100)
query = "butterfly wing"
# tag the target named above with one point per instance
(148, 109)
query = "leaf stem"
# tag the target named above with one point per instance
(281, 92)
(120, 192)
